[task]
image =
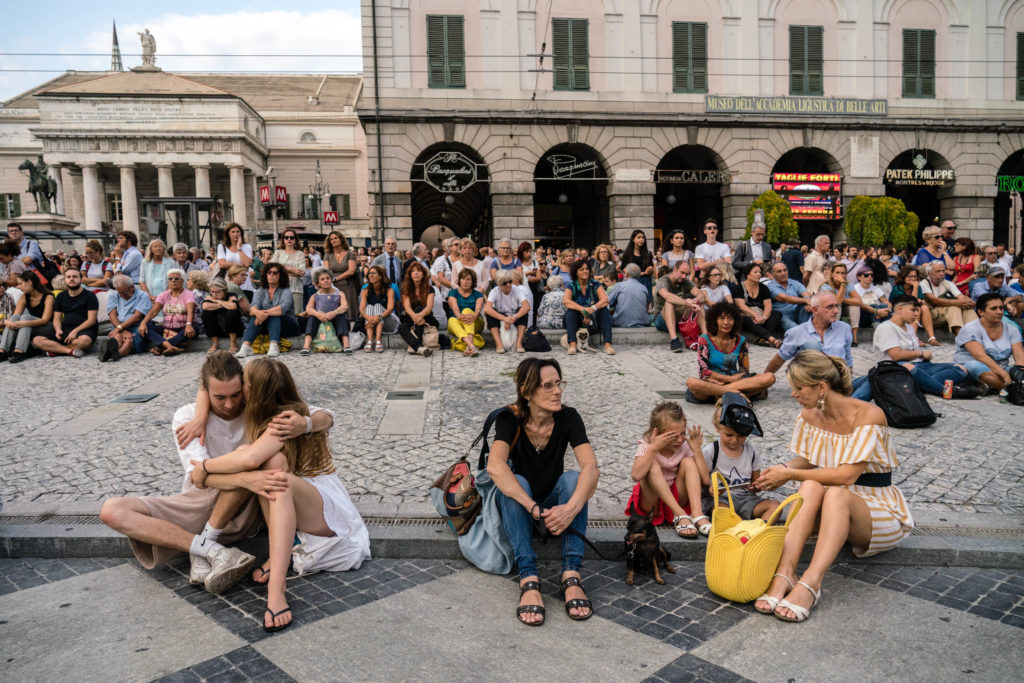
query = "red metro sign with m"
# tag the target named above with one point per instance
(280, 191)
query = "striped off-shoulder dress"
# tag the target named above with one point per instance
(890, 518)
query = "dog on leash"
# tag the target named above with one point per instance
(643, 549)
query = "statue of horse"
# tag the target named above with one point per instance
(42, 187)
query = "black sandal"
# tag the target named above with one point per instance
(576, 603)
(262, 572)
(275, 615)
(529, 609)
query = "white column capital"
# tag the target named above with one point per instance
(201, 165)
(87, 164)
(126, 164)
(163, 164)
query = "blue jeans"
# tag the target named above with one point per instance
(648, 283)
(574, 321)
(793, 318)
(519, 525)
(930, 378)
(274, 327)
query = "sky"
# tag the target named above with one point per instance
(318, 36)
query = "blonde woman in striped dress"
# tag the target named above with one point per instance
(843, 462)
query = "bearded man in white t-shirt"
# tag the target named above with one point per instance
(200, 521)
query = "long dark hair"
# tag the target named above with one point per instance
(31, 277)
(527, 381)
(417, 295)
(384, 281)
(644, 260)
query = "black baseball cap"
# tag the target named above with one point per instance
(738, 415)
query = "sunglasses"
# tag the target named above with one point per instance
(289, 237)
(273, 272)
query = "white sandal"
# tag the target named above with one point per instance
(801, 612)
(704, 528)
(677, 522)
(771, 599)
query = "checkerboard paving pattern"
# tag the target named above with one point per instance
(681, 612)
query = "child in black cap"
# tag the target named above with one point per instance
(736, 458)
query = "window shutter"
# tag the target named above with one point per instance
(699, 57)
(346, 211)
(797, 60)
(1020, 66)
(909, 62)
(455, 52)
(926, 68)
(815, 78)
(579, 36)
(680, 56)
(435, 52)
(560, 50)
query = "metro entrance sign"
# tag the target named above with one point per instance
(331, 217)
(281, 192)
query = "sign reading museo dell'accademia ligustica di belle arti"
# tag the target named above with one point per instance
(832, 106)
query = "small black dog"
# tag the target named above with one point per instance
(643, 548)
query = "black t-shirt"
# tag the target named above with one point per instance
(762, 294)
(75, 308)
(543, 468)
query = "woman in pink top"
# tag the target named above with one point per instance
(668, 476)
(179, 309)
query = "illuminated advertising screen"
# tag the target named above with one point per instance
(811, 196)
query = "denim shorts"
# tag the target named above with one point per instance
(975, 368)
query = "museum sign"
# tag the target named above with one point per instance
(829, 106)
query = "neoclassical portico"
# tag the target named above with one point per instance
(150, 134)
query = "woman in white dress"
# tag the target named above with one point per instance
(315, 501)
(234, 251)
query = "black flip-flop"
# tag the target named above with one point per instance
(576, 603)
(275, 615)
(529, 609)
(263, 572)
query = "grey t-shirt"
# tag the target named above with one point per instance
(889, 335)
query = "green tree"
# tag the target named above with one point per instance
(778, 218)
(877, 221)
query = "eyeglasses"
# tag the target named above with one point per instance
(714, 275)
(273, 272)
(550, 386)
(830, 306)
(173, 277)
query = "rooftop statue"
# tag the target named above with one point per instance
(148, 48)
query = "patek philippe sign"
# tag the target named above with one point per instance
(831, 106)
(568, 166)
(691, 176)
(919, 176)
(450, 172)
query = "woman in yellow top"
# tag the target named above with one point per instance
(844, 464)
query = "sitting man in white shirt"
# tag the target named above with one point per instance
(945, 300)
(896, 340)
(198, 521)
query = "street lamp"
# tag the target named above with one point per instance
(272, 179)
(319, 189)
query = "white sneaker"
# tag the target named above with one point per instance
(227, 567)
(200, 569)
(273, 351)
(246, 350)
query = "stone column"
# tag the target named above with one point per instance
(91, 197)
(58, 200)
(238, 194)
(129, 200)
(73, 199)
(165, 180)
(202, 172)
(630, 207)
(512, 209)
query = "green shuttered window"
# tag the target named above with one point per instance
(805, 58)
(918, 63)
(446, 52)
(10, 206)
(689, 57)
(571, 48)
(1020, 66)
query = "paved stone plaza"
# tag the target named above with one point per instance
(65, 442)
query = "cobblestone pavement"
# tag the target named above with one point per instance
(690, 630)
(970, 461)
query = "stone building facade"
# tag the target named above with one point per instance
(584, 120)
(117, 141)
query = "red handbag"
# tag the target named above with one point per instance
(461, 500)
(689, 330)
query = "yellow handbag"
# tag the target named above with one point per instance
(261, 344)
(743, 554)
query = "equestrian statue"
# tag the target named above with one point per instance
(41, 186)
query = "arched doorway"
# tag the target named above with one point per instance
(450, 189)
(923, 180)
(688, 190)
(826, 195)
(1008, 179)
(570, 200)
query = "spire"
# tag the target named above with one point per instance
(115, 53)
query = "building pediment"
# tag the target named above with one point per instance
(142, 83)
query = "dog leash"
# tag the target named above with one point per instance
(544, 533)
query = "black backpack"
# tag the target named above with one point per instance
(893, 389)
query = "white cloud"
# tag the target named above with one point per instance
(278, 32)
